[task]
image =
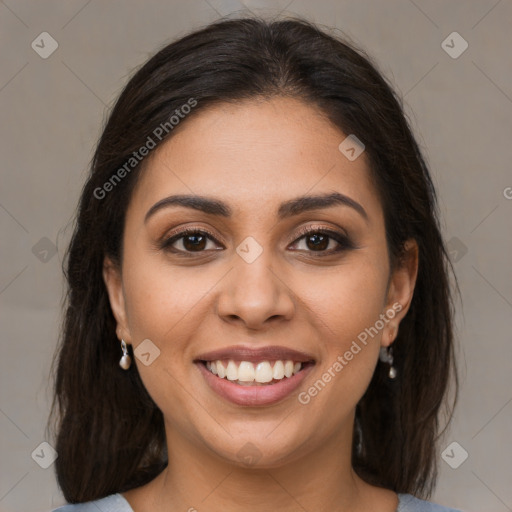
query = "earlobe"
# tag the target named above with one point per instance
(114, 285)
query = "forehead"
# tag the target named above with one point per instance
(254, 154)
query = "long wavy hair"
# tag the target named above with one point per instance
(108, 432)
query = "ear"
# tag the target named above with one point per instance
(400, 290)
(114, 284)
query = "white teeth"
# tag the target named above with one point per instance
(288, 368)
(279, 370)
(221, 372)
(263, 372)
(246, 373)
(232, 371)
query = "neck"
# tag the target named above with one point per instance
(319, 479)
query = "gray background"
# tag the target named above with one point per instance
(52, 111)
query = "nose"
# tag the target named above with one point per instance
(253, 294)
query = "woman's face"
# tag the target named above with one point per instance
(247, 278)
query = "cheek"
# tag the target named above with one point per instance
(346, 310)
(159, 299)
(160, 307)
(165, 305)
(348, 300)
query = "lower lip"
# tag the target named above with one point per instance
(254, 395)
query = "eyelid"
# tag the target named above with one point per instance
(305, 230)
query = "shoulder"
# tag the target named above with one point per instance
(409, 503)
(112, 503)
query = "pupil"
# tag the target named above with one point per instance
(319, 241)
(198, 242)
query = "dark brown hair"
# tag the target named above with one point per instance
(109, 433)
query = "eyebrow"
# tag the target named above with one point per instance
(287, 209)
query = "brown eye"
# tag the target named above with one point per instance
(194, 242)
(322, 241)
(317, 242)
(189, 241)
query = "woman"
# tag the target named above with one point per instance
(257, 246)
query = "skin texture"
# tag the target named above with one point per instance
(253, 155)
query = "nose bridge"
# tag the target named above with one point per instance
(254, 291)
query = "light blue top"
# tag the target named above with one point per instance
(117, 503)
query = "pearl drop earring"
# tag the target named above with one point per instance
(125, 361)
(386, 356)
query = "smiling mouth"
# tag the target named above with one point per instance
(263, 373)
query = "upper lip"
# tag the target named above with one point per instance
(254, 355)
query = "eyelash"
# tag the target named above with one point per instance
(344, 242)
